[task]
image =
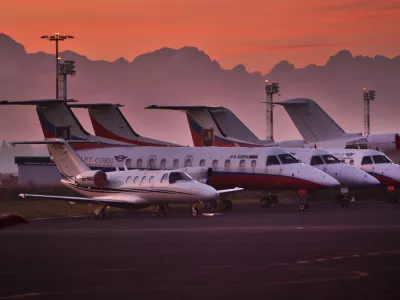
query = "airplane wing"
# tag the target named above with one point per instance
(99, 200)
(236, 189)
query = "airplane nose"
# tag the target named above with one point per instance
(207, 192)
(329, 181)
(370, 180)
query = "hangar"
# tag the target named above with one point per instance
(37, 171)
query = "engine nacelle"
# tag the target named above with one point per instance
(96, 178)
(388, 143)
(201, 174)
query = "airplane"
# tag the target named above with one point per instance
(222, 168)
(132, 189)
(319, 130)
(348, 176)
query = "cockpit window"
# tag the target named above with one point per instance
(366, 160)
(272, 160)
(330, 159)
(288, 159)
(316, 160)
(381, 159)
(178, 176)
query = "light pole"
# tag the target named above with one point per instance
(66, 68)
(270, 90)
(56, 38)
(367, 96)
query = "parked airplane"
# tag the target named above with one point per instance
(230, 167)
(125, 189)
(109, 122)
(347, 176)
(319, 130)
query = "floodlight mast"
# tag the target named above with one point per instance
(270, 90)
(367, 96)
(56, 38)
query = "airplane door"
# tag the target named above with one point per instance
(63, 133)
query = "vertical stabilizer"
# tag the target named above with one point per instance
(313, 123)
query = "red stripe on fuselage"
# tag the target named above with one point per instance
(260, 181)
(384, 180)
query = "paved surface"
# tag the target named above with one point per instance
(248, 253)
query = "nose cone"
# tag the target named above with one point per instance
(317, 177)
(206, 192)
(387, 174)
(350, 176)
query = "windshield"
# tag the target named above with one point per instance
(287, 159)
(330, 159)
(178, 176)
(316, 160)
(381, 159)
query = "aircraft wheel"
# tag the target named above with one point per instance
(101, 214)
(208, 205)
(195, 212)
(304, 206)
(265, 202)
(274, 199)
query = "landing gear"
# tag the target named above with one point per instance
(159, 210)
(304, 206)
(265, 201)
(268, 201)
(210, 204)
(100, 212)
(194, 211)
(344, 200)
(225, 205)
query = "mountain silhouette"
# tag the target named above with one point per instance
(188, 76)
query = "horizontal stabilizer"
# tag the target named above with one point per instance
(94, 105)
(236, 189)
(182, 107)
(35, 102)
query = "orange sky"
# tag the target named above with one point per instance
(257, 33)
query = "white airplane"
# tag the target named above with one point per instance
(319, 130)
(125, 189)
(230, 167)
(114, 125)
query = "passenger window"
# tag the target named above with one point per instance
(143, 179)
(128, 179)
(151, 180)
(242, 163)
(272, 160)
(136, 180)
(176, 163)
(139, 163)
(367, 160)
(253, 163)
(128, 163)
(215, 164)
(164, 178)
(202, 162)
(316, 160)
(188, 162)
(227, 163)
(163, 163)
(351, 162)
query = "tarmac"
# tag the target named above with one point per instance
(247, 253)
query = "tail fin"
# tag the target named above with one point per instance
(109, 122)
(56, 118)
(68, 162)
(215, 126)
(313, 123)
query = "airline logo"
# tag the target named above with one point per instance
(120, 158)
(208, 137)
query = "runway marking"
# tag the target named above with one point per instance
(373, 253)
(320, 259)
(355, 255)
(21, 296)
(302, 262)
(337, 257)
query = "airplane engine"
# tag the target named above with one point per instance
(201, 174)
(96, 178)
(389, 143)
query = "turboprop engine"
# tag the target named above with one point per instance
(96, 178)
(201, 174)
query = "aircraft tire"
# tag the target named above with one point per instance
(302, 207)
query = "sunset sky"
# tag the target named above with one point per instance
(256, 33)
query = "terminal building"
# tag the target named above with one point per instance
(37, 171)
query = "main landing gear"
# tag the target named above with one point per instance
(100, 212)
(194, 211)
(159, 210)
(268, 201)
(304, 206)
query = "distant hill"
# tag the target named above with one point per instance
(189, 76)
